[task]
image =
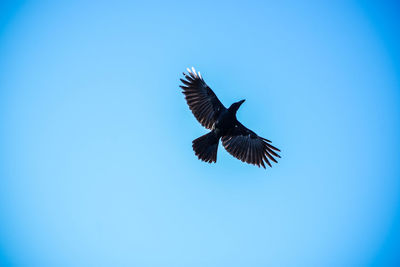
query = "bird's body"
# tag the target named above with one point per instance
(239, 141)
(224, 122)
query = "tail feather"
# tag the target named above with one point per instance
(206, 146)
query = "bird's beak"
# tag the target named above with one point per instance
(241, 102)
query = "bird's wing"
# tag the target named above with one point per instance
(247, 146)
(202, 101)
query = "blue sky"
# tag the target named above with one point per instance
(96, 160)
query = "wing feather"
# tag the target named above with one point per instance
(247, 146)
(201, 100)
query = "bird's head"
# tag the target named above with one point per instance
(235, 106)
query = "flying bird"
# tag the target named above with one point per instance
(239, 141)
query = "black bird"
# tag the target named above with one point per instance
(239, 141)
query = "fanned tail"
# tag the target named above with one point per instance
(205, 147)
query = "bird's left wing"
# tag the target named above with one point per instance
(247, 146)
(202, 101)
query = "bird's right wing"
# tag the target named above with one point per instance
(202, 101)
(247, 146)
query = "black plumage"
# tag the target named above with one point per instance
(239, 141)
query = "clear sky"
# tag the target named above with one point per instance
(96, 162)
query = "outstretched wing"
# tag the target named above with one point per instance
(247, 146)
(202, 101)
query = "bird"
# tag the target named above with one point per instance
(239, 141)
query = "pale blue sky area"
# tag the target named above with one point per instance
(97, 167)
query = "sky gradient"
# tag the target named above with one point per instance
(96, 163)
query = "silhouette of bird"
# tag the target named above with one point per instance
(240, 142)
